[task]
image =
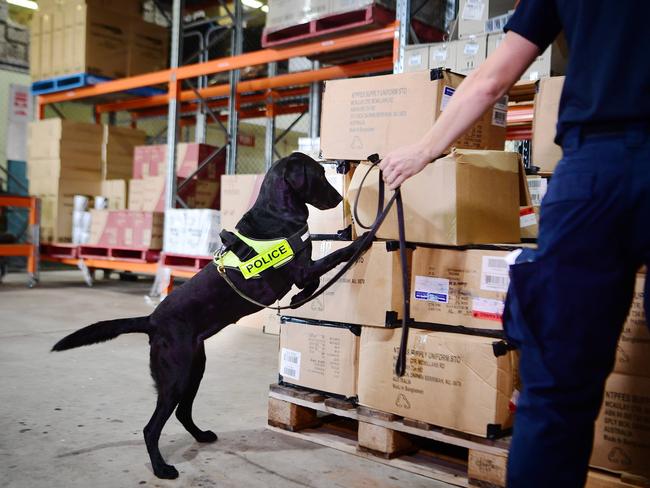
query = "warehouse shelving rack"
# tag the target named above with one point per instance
(30, 249)
(269, 96)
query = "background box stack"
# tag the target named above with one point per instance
(193, 232)
(64, 160)
(14, 41)
(126, 229)
(117, 151)
(147, 188)
(100, 37)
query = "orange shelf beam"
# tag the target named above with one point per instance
(280, 81)
(16, 249)
(245, 99)
(224, 64)
(94, 263)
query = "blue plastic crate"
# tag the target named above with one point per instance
(80, 80)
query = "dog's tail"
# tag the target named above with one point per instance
(103, 331)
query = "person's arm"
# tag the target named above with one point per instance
(479, 91)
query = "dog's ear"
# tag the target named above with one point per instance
(296, 173)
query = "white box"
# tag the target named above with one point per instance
(443, 55)
(472, 14)
(193, 232)
(471, 53)
(416, 57)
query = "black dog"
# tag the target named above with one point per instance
(206, 304)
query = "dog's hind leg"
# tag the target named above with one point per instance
(171, 364)
(184, 410)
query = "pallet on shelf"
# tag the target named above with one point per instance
(185, 262)
(368, 17)
(61, 250)
(119, 254)
(80, 80)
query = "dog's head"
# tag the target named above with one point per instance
(307, 180)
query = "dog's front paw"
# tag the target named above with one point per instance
(206, 436)
(166, 472)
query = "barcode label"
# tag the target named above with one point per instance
(415, 60)
(499, 117)
(487, 308)
(471, 48)
(290, 364)
(494, 274)
(431, 289)
(440, 54)
(447, 93)
(537, 188)
(473, 10)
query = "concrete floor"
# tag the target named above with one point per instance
(75, 419)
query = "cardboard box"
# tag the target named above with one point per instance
(57, 197)
(529, 221)
(622, 436)
(633, 351)
(443, 55)
(472, 14)
(44, 169)
(364, 295)
(116, 193)
(416, 57)
(452, 380)
(126, 228)
(459, 287)
(148, 48)
(148, 194)
(151, 160)
(238, 194)
(323, 358)
(471, 53)
(362, 116)
(193, 232)
(546, 154)
(468, 197)
(117, 148)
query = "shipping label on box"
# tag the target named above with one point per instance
(364, 116)
(622, 436)
(416, 58)
(443, 55)
(468, 197)
(459, 287)
(459, 374)
(633, 351)
(363, 295)
(323, 358)
(471, 53)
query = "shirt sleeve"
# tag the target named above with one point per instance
(536, 20)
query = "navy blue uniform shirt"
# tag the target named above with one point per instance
(608, 75)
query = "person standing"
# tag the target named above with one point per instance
(567, 301)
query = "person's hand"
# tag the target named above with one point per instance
(402, 163)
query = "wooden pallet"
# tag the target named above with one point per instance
(60, 250)
(417, 447)
(185, 262)
(119, 254)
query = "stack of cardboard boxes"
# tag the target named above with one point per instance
(100, 37)
(344, 338)
(478, 33)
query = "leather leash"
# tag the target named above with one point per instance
(382, 212)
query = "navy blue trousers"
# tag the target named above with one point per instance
(567, 301)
